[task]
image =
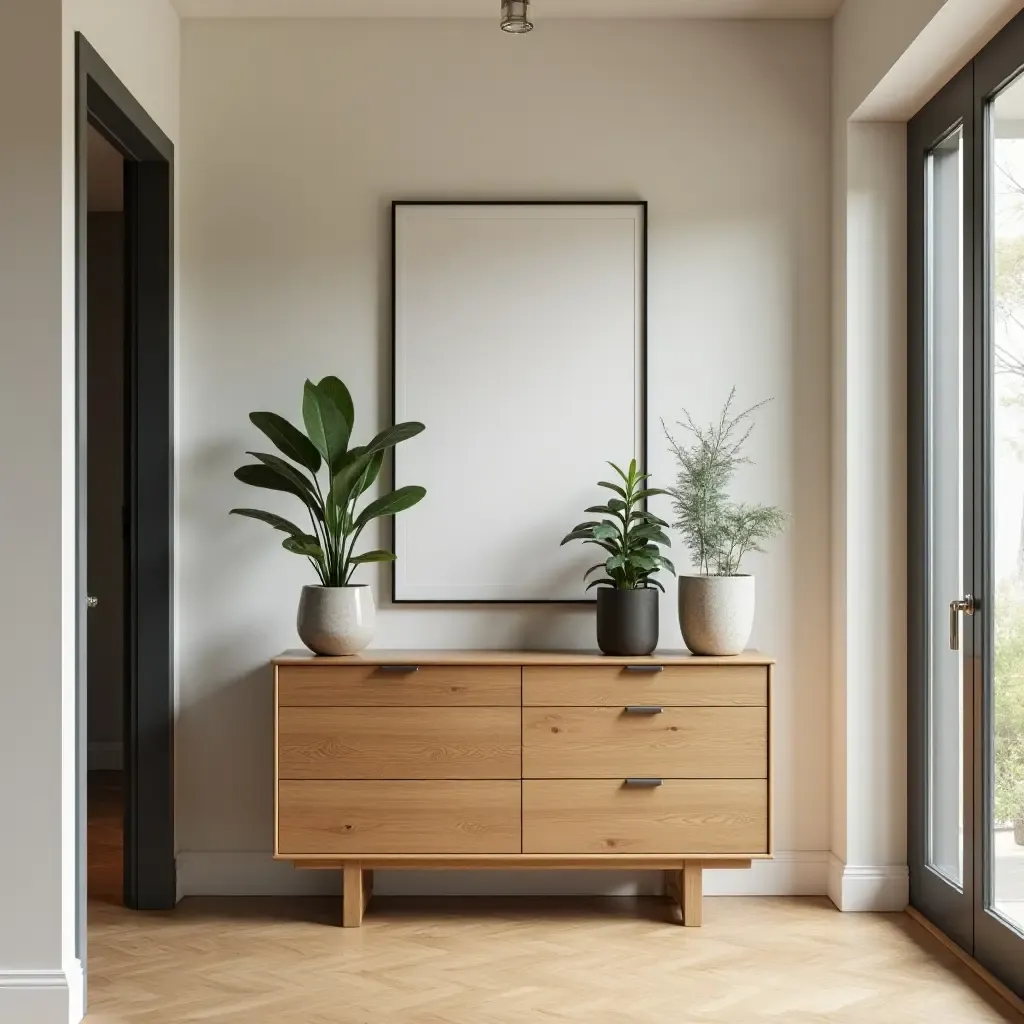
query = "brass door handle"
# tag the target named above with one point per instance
(963, 604)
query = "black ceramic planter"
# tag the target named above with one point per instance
(627, 621)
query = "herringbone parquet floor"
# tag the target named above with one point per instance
(476, 961)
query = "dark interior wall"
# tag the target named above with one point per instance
(106, 485)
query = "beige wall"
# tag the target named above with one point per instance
(286, 181)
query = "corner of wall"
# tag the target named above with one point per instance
(878, 888)
(32, 996)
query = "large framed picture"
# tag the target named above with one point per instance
(519, 333)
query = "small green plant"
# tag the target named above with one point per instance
(630, 537)
(328, 415)
(718, 531)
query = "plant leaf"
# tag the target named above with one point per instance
(615, 562)
(336, 391)
(269, 478)
(277, 522)
(390, 504)
(666, 564)
(649, 517)
(601, 583)
(650, 492)
(607, 545)
(593, 568)
(287, 439)
(606, 510)
(288, 471)
(373, 556)
(347, 476)
(370, 474)
(619, 471)
(325, 425)
(612, 487)
(656, 583)
(605, 531)
(586, 534)
(306, 545)
(391, 436)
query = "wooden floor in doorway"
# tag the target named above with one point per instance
(502, 961)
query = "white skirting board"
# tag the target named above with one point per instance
(42, 996)
(248, 873)
(105, 756)
(868, 887)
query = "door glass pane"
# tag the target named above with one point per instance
(944, 339)
(1005, 731)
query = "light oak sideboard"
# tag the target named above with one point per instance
(522, 759)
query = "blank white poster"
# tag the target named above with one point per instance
(519, 342)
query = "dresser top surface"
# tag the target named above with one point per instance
(500, 657)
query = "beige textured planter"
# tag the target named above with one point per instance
(336, 620)
(716, 613)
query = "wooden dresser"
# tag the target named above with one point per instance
(514, 759)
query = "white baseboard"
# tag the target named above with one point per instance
(105, 756)
(42, 996)
(868, 887)
(248, 873)
(789, 873)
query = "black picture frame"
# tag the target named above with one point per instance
(642, 206)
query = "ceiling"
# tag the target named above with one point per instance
(489, 9)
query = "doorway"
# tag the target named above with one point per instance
(140, 417)
(105, 414)
(966, 507)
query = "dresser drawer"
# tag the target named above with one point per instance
(610, 685)
(399, 684)
(709, 816)
(354, 818)
(398, 743)
(689, 742)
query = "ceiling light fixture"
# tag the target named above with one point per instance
(515, 16)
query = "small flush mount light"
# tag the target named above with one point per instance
(515, 16)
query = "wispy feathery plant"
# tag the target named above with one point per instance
(718, 531)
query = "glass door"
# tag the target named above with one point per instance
(942, 564)
(966, 507)
(999, 916)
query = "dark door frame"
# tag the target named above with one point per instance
(965, 916)
(102, 100)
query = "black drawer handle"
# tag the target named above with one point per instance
(399, 668)
(643, 783)
(643, 709)
(645, 668)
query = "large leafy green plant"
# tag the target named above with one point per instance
(630, 536)
(719, 532)
(328, 416)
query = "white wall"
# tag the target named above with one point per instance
(298, 136)
(888, 59)
(34, 905)
(40, 976)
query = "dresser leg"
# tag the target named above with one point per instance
(355, 893)
(692, 888)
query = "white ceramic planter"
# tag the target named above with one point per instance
(716, 613)
(336, 620)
